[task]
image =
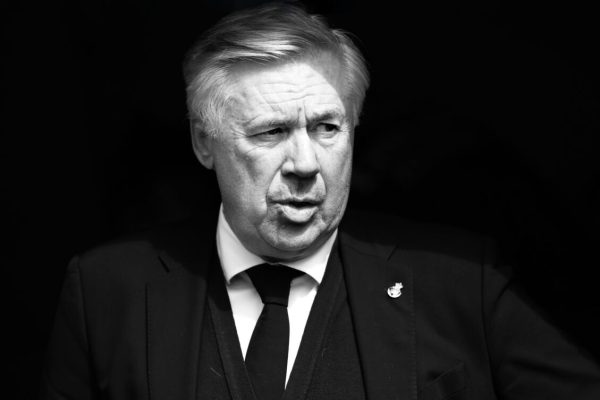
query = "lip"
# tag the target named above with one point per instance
(298, 211)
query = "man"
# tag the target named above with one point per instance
(281, 303)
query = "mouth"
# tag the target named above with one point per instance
(300, 203)
(298, 211)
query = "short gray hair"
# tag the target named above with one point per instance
(265, 34)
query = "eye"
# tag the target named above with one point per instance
(326, 128)
(272, 132)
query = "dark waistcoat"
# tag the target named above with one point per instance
(327, 365)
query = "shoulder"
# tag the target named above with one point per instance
(449, 268)
(145, 255)
(417, 237)
(440, 257)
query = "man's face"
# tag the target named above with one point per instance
(283, 158)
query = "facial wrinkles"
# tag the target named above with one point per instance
(292, 96)
(260, 172)
(281, 101)
(299, 103)
(284, 95)
(300, 106)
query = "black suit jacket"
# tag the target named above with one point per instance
(130, 316)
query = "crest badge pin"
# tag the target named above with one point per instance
(395, 291)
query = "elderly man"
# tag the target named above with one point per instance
(280, 303)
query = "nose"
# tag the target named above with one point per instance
(301, 158)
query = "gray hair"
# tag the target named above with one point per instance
(265, 34)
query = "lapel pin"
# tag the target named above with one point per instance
(395, 291)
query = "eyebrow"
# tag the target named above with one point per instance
(273, 122)
(327, 115)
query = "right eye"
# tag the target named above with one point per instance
(272, 132)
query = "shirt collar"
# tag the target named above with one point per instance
(235, 258)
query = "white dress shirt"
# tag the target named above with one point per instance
(245, 300)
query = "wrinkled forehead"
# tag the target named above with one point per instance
(320, 78)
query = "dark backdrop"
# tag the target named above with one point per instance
(481, 117)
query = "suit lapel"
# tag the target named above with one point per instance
(175, 308)
(385, 326)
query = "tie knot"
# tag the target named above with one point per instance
(272, 282)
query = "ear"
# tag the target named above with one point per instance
(202, 144)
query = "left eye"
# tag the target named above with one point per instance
(326, 128)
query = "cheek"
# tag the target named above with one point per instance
(257, 175)
(262, 171)
(246, 165)
(337, 169)
(236, 178)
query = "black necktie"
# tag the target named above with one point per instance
(266, 358)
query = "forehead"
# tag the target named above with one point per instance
(305, 85)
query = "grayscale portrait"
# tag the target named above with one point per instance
(312, 201)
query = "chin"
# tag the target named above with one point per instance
(293, 244)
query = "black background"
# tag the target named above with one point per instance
(481, 117)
